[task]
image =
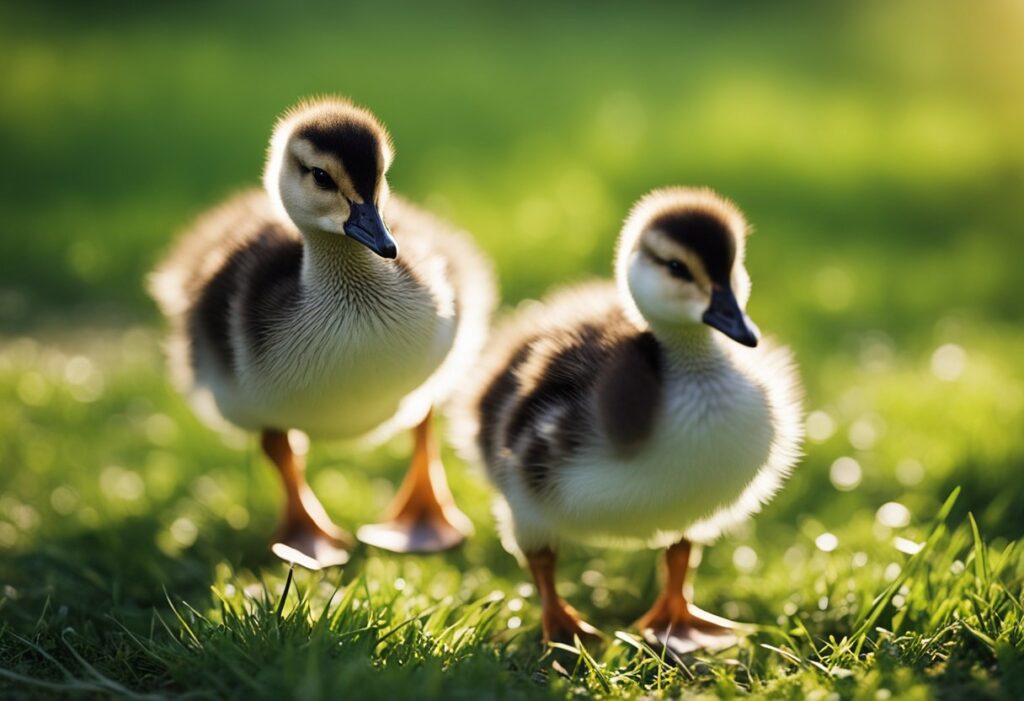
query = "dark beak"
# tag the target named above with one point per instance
(365, 226)
(725, 314)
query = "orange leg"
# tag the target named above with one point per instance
(307, 535)
(675, 622)
(559, 621)
(423, 516)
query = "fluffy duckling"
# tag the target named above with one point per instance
(326, 305)
(639, 415)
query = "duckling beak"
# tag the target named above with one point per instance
(724, 314)
(366, 226)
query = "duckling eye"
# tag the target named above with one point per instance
(323, 180)
(678, 269)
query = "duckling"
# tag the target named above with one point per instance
(322, 304)
(643, 414)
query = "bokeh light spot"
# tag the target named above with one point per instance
(826, 542)
(118, 483)
(864, 433)
(161, 429)
(63, 499)
(909, 472)
(845, 474)
(744, 558)
(184, 531)
(893, 514)
(949, 362)
(820, 426)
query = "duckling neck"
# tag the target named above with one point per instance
(333, 262)
(691, 346)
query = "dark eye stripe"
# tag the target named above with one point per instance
(679, 269)
(706, 234)
(676, 268)
(355, 142)
(323, 180)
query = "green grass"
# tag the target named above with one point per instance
(882, 175)
(136, 561)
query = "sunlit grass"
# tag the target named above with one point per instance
(135, 552)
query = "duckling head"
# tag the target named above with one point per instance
(326, 170)
(680, 259)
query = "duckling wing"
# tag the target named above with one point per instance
(199, 284)
(628, 392)
(563, 377)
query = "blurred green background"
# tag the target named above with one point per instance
(876, 147)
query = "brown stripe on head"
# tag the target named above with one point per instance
(703, 233)
(698, 220)
(352, 135)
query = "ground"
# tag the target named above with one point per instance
(882, 178)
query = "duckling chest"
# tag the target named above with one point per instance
(712, 436)
(343, 368)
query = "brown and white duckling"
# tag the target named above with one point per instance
(641, 414)
(326, 305)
